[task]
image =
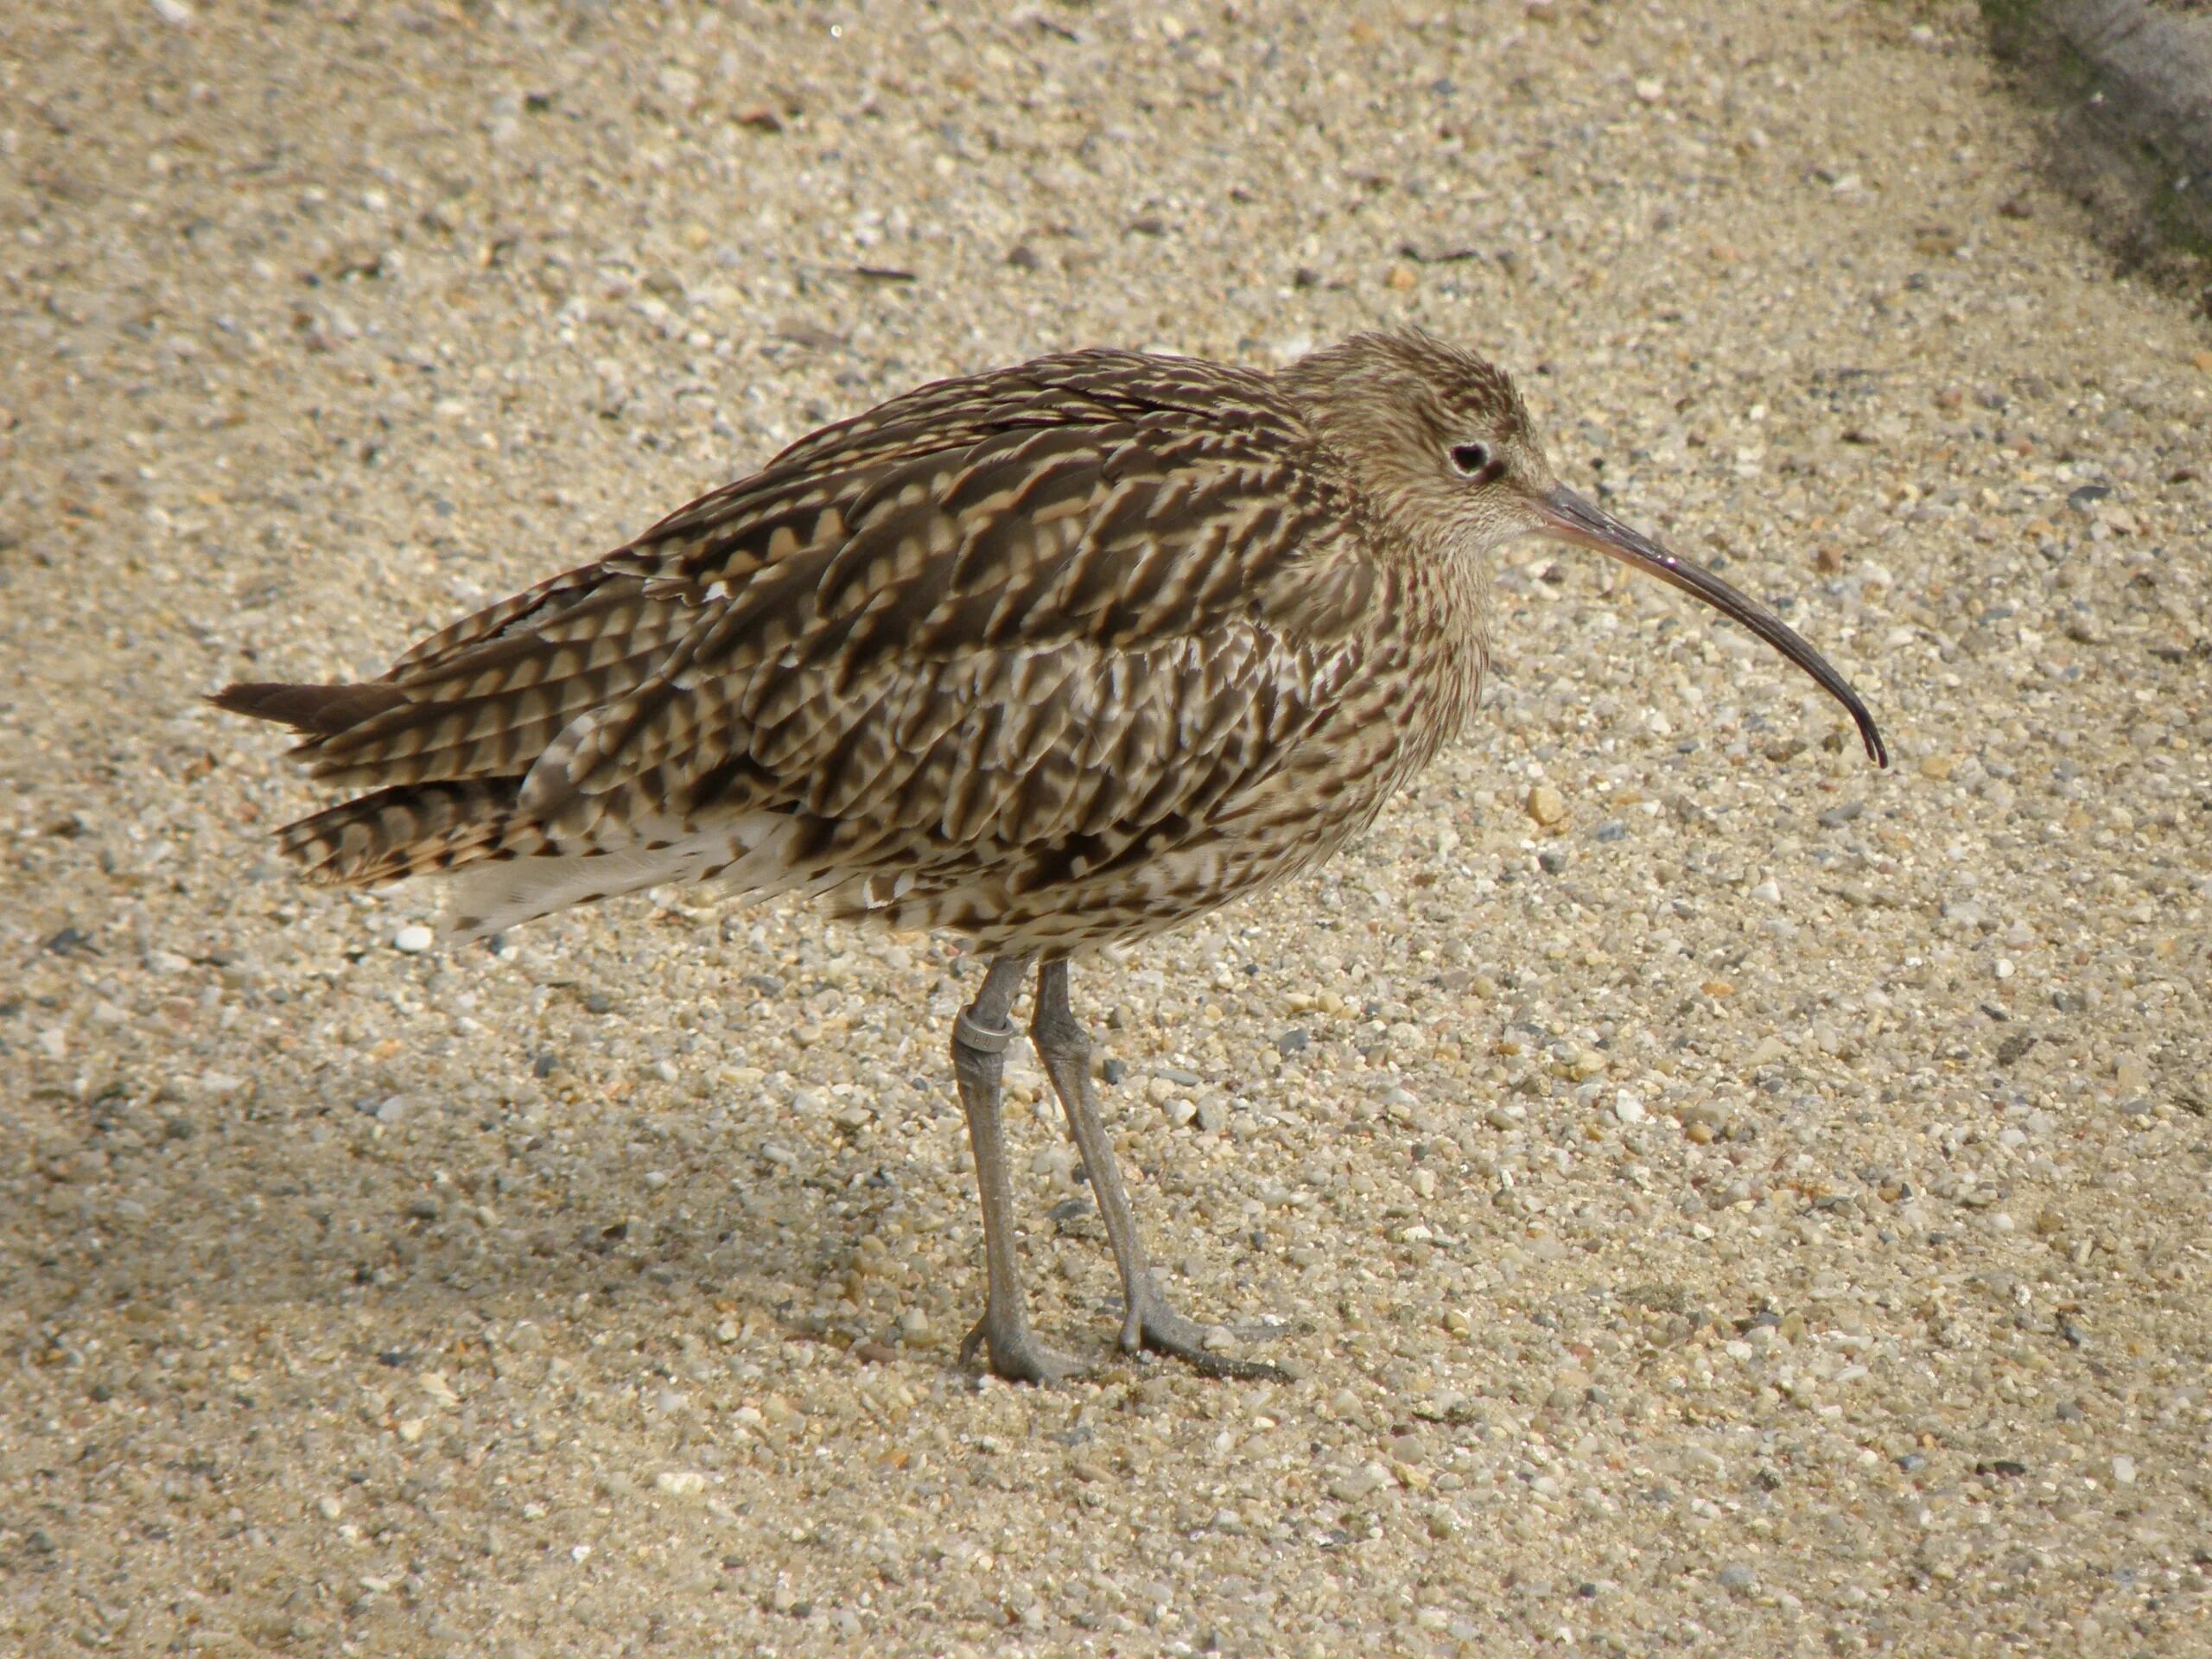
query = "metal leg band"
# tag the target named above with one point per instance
(982, 1039)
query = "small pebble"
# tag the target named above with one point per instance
(412, 939)
(1363, 1482)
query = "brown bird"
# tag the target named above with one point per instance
(1055, 657)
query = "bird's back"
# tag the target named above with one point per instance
(1052, 655)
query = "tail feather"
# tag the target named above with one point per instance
(319, 710)
(395, 832)
(411, 829)
(515, 868)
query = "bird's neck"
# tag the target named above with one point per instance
(1447, 598)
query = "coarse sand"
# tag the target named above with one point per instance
(1732, 1200)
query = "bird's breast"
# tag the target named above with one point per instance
(1431, 642)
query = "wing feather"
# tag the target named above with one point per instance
(1088, 597)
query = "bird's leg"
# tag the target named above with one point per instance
(980, 1035)
(1148, 1321)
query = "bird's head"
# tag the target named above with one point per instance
(1441, 441)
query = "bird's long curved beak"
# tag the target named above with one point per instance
(1570, 518)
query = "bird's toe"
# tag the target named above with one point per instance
(1016, 1355)
(1161, 1330)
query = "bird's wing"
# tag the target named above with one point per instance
(971, 563)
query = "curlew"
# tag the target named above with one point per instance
(1054, 658)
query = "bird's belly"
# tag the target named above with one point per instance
(1163, 886)
(1126, 907)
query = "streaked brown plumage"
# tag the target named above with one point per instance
(1055, 657)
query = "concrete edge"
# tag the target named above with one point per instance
(2130, 86)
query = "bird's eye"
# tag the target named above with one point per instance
(1471, 459)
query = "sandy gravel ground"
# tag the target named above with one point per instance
(1760, 1209)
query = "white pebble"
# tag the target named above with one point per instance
(2005, 968)
(2123, 1471)
(680, 1482)
(413, 939)
(1627, 1109)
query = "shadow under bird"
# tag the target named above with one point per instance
(1055, 657)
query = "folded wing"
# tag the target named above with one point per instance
(1001, 631)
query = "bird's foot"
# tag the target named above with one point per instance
(1154, 1325)
(1016, 1355)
